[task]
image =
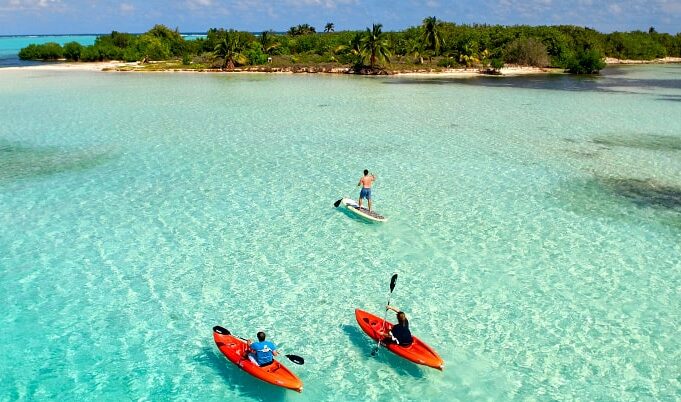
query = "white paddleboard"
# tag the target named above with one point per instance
(352, 206)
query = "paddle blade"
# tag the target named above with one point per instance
(374, 351)
(296, 359)
(221, 331)
(337, 203)
(393, 280)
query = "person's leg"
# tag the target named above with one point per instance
(369, 200)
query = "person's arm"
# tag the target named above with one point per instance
(395, 309)
(386, 334)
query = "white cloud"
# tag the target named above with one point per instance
(126, 8)
(615, 9)
(323, 3)
(671, 6)
(17, 5)
(194, 4)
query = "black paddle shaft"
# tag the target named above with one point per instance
(393, 281)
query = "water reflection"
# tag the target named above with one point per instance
(611, 79)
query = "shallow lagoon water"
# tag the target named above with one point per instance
(535, 224)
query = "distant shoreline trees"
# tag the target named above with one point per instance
(444, 44)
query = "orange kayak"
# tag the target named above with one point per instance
(235, 349)
(418, 352)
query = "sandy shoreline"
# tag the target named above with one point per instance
(116, 66)
(665, 60)
(94, 66)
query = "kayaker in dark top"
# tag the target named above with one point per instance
(400, 333)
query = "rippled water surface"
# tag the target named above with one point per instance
(535, 224)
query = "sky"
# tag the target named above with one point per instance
(25, 17)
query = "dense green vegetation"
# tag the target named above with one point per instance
(433, 44)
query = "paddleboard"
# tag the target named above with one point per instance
(352, 206)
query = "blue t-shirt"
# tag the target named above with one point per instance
(263, 351)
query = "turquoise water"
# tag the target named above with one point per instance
(11, 45)
(535, 224)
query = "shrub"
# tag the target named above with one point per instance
(497, 64)
(586, 62)
(46, 51)
(152, 48)
(90, 53)
(109, 52)
(30, 52)
(132, 54)
(72, 51)
(528, 52)
(186, 59)
(447, 62)
(255, 55)
(172, 40)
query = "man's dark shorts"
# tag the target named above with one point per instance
(365, 193)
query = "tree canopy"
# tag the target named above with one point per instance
(443, 43)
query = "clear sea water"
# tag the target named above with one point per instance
(535, 224)
(11, 45)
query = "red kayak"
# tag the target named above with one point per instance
(235, 349)
(418, 352)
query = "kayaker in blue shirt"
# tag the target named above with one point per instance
(400, 333)
(262, 352)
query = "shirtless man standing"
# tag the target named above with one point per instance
(366, 181)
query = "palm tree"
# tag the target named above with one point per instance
(353, 48)
(374, 45)
(415, 50)
(301, 29)
(431, 38)
(470, 54)
(484, 58)
(229, 49)
(329, 27)
(268, 42)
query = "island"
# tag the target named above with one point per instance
(433, 47)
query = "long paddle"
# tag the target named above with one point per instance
(223, 331)
(393, 280)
